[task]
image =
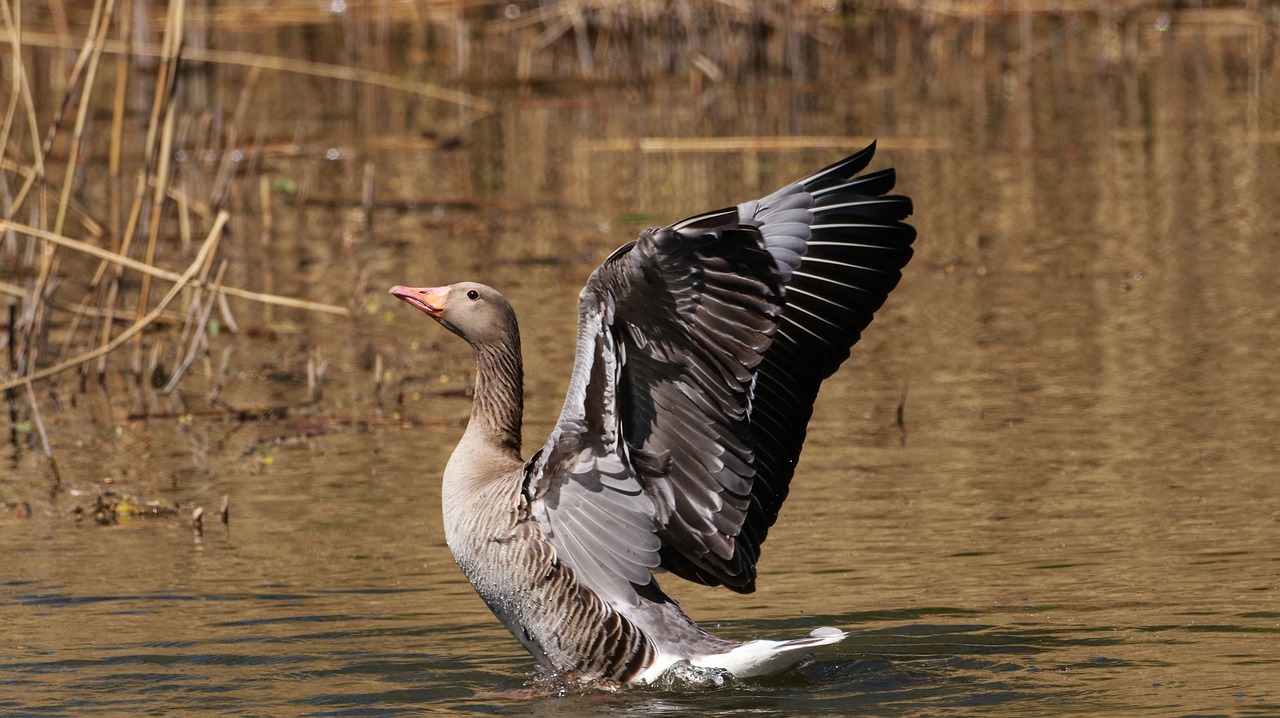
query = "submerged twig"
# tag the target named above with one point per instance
(198, 334)
(44, 438)
(901, 415)
(10, 396)
(225, 310)
(219, 378)
(315, 376)
(377, 380)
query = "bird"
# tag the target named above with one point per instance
(700, 350)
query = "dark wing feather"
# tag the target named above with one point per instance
(654, 445)
(701, 347)
(840, 244)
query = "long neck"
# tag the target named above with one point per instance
(498, 408)
(490, 447)
(483, 478)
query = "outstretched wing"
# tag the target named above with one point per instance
(840, 243)
(701, 348)
(670, 330)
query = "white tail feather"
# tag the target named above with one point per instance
(766, 658)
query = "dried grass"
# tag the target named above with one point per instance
(110, 255)
(112, 252)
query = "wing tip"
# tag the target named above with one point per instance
(846, 168)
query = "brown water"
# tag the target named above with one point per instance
(1082, 516)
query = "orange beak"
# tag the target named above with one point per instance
(427, 299)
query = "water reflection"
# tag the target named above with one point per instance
(1083, 518)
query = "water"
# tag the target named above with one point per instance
(1081, 517)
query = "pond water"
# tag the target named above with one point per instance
(1080, 513)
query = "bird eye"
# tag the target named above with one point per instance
(473, 294)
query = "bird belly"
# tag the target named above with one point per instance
(564, 625)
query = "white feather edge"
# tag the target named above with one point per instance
(752, 659)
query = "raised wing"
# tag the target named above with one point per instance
(840, 243)
(701, 348)
(655, 428)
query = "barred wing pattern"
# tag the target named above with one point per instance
(701, 347)
(844, 242)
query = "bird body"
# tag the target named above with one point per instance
(700, 350)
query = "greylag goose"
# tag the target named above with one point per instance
(700, 350)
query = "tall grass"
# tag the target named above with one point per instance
(80, 266)
(113, 260)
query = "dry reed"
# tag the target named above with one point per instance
(112, 252)
(109, 255)
(279, 64)
(41, 171)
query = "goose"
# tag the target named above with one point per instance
(700, 350)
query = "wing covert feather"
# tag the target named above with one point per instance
(654, 437)
(701, 347)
